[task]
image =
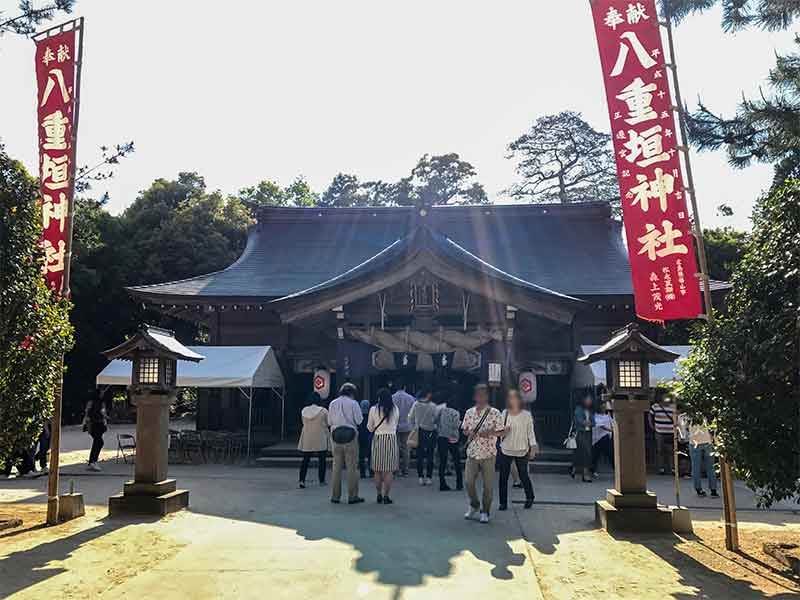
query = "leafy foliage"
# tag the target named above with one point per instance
(435, 180)
(29, 16)
(771, 15)
(562, 158)
(765, 129)
(742, 375)
(269, 193)
(34, 324)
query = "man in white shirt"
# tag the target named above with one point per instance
(344, 413)
(482, 426)
(404, 401)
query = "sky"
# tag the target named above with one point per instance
(245, 91)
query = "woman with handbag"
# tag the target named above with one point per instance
(583, 423)
(382, 423)
(517, 445)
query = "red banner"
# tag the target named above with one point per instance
(56, 102)
(660, 242)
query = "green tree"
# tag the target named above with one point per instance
(34, 325)
(724, 250)
(743, 375)
(765, 129)
(269, 193)
(437, 180)
(29, 16)
(562, 158)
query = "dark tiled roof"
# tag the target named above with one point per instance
(576, 250)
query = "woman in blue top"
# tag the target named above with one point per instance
(583, 422)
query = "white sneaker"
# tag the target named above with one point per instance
(422, 481)
(94, 467)
(428, 481)
(471, 515)
(484, 518)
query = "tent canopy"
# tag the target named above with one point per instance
(586, 375)
(223, 367)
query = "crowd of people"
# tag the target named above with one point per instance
(377, 438)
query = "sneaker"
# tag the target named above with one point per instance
(387, 500)
(422, 481)
(484, 518)
(517, 485)
(428, 481)
(335, 501)
(714, 494)
(356, 500)
(443, 487)
(700, 492)
(471, 515)
(94, 467)
(380, 499)
(302, 485)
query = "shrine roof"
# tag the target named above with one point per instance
(574, 250)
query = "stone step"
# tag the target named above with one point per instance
(122, 505)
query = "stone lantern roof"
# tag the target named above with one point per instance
(158, 340)
(630, 340)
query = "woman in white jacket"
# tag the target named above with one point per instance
(314, 438)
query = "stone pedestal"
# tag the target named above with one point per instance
(630, 507)
(70, 506)
(150, 492)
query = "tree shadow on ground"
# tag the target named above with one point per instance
(25, 568)
(709, 582)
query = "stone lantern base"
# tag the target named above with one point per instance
(160, 498)
(638, 512)
(150, 493)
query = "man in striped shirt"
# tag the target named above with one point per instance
(662, 421)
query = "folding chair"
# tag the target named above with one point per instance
(125, 441)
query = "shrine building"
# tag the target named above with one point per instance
(429, 295)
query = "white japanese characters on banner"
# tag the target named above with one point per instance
(660, 243)
(56, 104)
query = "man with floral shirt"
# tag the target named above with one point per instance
(482, 425)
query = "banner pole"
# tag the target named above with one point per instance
(726, 477)
(55, 436)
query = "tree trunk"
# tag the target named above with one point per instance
(562, 189)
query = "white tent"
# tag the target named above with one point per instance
(242, 367)
(586, 375)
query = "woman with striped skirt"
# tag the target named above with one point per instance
(382, 422)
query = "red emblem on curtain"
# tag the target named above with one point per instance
(55, 76)
(660, 241)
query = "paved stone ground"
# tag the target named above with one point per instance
(250, 533)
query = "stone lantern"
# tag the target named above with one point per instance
(630, 506)
(154, 353)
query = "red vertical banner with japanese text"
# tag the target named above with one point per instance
(56, 110)
(657, 226)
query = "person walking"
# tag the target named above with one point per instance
(95, 423)
(602, 438)
(583, 422)
(701, 453)
(662, 420)
(364, 442)
(482, 425)
(314, 437)
(43, 446)
(382, 424)
(423, 417)
(448, 426)
(344, 417)
(517, 445)
(403, 401)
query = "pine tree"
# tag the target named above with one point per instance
(34, 324)
(743, 374)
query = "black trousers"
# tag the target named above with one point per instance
(321, 465)
(427, 442)
(603, 447)
(445, 448)
(97, 445)
(504, 464)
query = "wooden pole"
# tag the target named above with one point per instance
(728, 498)
(55, 436)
